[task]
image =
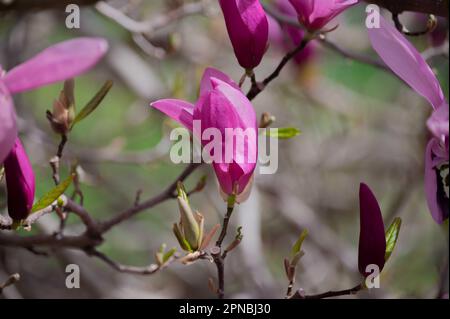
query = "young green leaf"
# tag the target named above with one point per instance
(168, 255)
(93, 103)
(392, 236)
(298, 245)
(282, 133)
(52, 196)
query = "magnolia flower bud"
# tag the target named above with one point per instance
(20, 182)
(372, 240)
(248, 29)
(189, 231)
(63, 109)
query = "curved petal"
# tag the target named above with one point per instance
(178, 110)
(8, 126)
(372, 241)
(431, 184)
(206, 85)
(20, 182)
(225, 109)
(59, 62)
(405, 61)
(239, 101)
(438, 122)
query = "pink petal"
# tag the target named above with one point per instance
(178, 110)
(438, 123)
(316, 14)
(431, 183)
(8, 126)
(205, 84)
(405, 61)
(59, 62)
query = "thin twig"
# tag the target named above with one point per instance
(168, 193)
(148, 270)
(329, 294)
(219, 258)
(257, 88)
(353, 55)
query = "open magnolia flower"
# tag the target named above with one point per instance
(222, 107)
(315, 14)
(405, 61)
(59, 62)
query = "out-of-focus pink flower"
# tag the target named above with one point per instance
(248, 29)
(59, 62)
(20, 183)
(222, 106)
(372, 240)
(315, 14)
(405, 61)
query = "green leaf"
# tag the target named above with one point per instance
(169, 254)
(392, 236)
(282, 133)
(298, 245)
(52, 196)
(93, 103)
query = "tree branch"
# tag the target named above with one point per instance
(436, 7)
(329, 294)
(31, 5)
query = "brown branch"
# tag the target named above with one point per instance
(168, 193)
(354, 55)
(436, 7)
(149, 270)
(218, 256)
(257, 88)
(94, 229)
(32, 5)
(329, 294)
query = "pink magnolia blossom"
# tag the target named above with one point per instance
(295, 34)
(372, 240)
(20, 182)
(57, 63)
(405, 61)
(315, 14)
(221, 106)
(248, 30)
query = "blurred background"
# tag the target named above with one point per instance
(358, 122)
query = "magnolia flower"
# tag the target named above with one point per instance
(295, 34)
(372, 240)
(315, 14)
(405, 61)
(222, 106)
(248, 30)
(56, 63)
(20, 183)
